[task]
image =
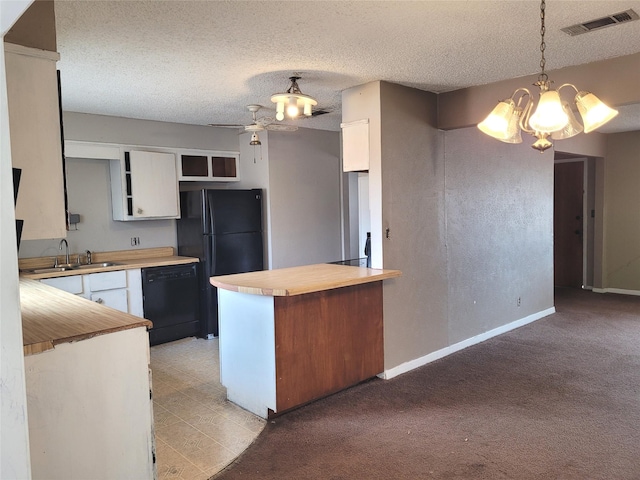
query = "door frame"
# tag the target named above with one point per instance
(588, 218)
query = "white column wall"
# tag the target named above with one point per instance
(14, 441)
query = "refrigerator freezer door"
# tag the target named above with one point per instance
(236, 253)
(233, 211)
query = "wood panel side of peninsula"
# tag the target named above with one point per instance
(327, 341)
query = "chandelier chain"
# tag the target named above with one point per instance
(543, 76)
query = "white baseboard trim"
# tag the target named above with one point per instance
(620, 291)
(431, 357)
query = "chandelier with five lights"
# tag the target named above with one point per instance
(552, 118)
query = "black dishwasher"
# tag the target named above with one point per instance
(171, 300)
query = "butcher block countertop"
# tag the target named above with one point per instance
(125, 259)
(300, 280)
(51, 316)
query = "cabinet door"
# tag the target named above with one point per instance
(205, 166)
(154, 184)
(355, 146)
(112, 298)
(34, 118)
(71, 284)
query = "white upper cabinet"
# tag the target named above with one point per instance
(355, 146)
(144, 186)
(36, 147)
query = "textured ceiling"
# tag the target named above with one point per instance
(201, 62)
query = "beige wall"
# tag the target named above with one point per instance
(621, 265)
(36, 28)
(470, 225)
(413, 192)
(14, 440)
(499, 212)
(304, 197)
(130, 131)
(615, 81)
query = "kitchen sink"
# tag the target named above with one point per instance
(97, 265)
(52, 269)
(71, 266)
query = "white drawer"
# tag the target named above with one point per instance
(72, 284)
(107, 280)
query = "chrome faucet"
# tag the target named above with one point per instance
(66, 257)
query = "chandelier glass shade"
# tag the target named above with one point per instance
(293, 101)
(552, 116)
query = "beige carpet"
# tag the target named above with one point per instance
(557, 399)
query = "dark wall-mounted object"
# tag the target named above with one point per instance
(17, 172)
(19, 224)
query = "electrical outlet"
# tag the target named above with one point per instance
(519, 301)
(135, 241)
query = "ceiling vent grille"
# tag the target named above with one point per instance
(320, 111)
(598, 23)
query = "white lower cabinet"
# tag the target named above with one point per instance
(107, 288)
(121, 289)
(72, 284)
(112, 298)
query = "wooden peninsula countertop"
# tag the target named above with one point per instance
(286, 282)
(51, 316)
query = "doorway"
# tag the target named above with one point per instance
(568, 223)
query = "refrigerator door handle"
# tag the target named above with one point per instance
(211, 246)
(209, 221)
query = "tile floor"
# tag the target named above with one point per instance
(198, 432)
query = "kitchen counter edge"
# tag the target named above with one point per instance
(51, 316)
(300, 280)
(121, 265)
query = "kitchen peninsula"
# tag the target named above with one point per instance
(293, 335)
(88, 387)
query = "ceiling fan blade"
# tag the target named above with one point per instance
(264, 121)
(225, 125)
(278, 127)
(254, 127)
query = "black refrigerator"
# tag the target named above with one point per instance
(223, 228)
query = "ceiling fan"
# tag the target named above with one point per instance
(259, 124)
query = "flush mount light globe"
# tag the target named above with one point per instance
(293, 101)
(552, 117)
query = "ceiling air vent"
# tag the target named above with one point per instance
(615, 19)
(320, 111)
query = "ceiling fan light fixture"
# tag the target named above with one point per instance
(292, 108)
(255, 140)
(552, 116)
(293, 99)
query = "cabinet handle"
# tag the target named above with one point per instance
(99, 300)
